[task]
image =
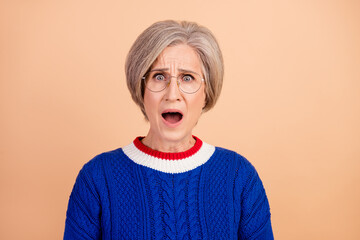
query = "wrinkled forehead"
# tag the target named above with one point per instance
(178, 58)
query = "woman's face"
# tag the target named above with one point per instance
(172, 113)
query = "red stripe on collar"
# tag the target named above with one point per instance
(168, 155)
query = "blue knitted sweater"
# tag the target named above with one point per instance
(134, 192)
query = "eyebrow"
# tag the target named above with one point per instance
(167, 69)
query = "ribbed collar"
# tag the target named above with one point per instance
(168, 155)
(169, 162)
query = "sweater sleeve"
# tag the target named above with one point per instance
(83, 213)
(255, 220)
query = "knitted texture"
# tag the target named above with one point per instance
(169, 162)
(114, 197)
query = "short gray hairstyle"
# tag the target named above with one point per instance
(151, 42)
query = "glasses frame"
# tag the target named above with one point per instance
(168, 83)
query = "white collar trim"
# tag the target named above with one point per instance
(170, 166)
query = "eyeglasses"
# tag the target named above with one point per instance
(157, 81)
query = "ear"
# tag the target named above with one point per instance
(205, 103)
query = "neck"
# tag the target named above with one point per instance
(165, 145)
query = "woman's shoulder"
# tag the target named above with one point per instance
(99, 159)
(233, 157)
(240, 169)
(238, 166)
(104, 162)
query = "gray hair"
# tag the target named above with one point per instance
(150, 43)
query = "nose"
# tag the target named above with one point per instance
(173, 91)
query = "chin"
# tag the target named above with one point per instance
(175, 135)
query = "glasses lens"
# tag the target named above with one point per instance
(156, 81)
(189, 82)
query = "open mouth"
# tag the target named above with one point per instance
(172, 117)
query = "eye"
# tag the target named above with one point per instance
(187, 78)
(159, 77)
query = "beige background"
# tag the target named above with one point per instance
(290, 103)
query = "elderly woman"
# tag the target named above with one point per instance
(170, 184)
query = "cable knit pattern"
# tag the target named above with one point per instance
(125, 197)
(218, 200)
(124, 194)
